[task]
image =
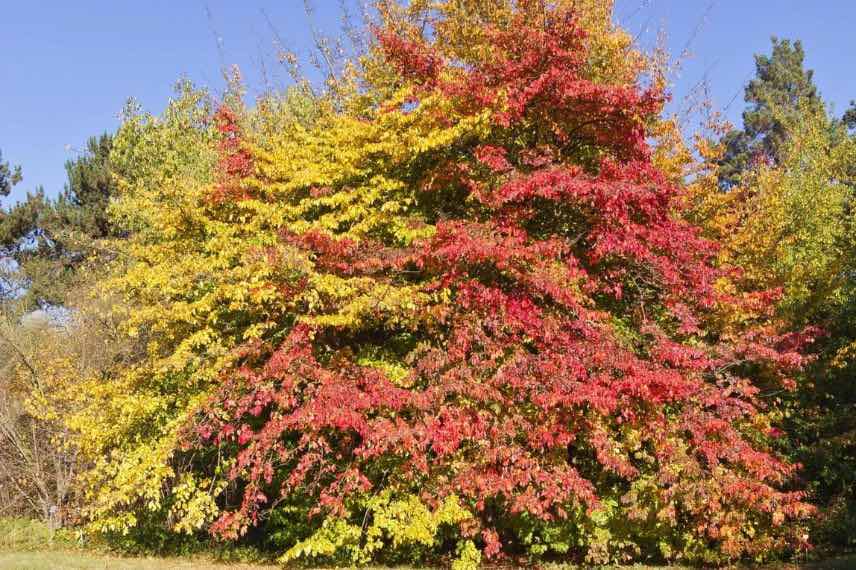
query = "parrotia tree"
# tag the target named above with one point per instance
(451, 310)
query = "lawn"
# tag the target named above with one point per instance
(56, 560)
(28, 544)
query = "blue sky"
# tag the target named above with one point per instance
(68, 67)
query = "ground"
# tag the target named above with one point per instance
(60, 560)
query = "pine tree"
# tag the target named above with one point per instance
(781, 86)
(89, 188)
(9, 176)
(50, 237)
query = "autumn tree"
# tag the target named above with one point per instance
(37, 470)
(505, 317)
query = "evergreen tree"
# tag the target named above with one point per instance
(781, 86)
(89, 188)
(49, 238)
(9, 176)
(849, 117)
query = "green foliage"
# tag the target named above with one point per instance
(50, 239)
(44, 268)
(91, 185)
(781, 85)
(150, 537)
(9, 176)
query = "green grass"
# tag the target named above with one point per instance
(23, 534)
(70, 560)
(27, 544)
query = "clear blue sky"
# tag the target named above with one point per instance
(68, 67)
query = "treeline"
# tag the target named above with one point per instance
(474, 298)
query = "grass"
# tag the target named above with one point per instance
(23, 534)
(70, 560)
(846, 563)
(26, 544)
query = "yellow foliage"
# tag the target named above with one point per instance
(784, 223)
(396, 522)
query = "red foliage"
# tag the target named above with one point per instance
(236, 160)
(537, 73)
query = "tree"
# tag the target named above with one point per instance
(9, 176)
(786, 224)
(37, 468)
(45, 359)
(129, 419)
(49, 339)
(89, 189)
(781, 85)
(49, 239)
(789, 224)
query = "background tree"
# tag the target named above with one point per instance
(48, 239)
(50, 333)
(781, 85)
(9, 176)
(83, 204)
(43, 361)
(37, 463)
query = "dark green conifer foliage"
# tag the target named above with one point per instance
(90, 185)
(50, 238)
(9, 176)
(774, 96)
